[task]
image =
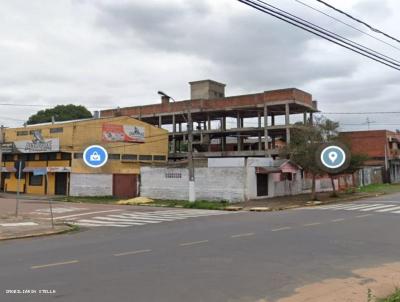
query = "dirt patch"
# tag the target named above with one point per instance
(364, 285)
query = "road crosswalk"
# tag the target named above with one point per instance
(362, 207)
(130, 218)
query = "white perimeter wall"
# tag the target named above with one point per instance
(210, 183)
(91, 184)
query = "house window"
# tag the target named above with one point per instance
(129, 157)
(145, 157)
(22, 156)
(159, 157)
(6, 175)
(56, 130)
(37, 131)
(42, 156)
(31, 157)
(51, 156)
(78, 155)
(8, 157)
(22, 133)
(35, 180)
(65, 156)
(114, 156)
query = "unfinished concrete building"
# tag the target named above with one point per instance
(223, 126)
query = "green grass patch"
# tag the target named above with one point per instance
(90, 199)
(392, 298)
(198, 204)
(380, 188)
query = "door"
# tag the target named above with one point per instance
(60, 184)
(125, 185)
(262, 184)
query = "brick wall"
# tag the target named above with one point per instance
(216, 104)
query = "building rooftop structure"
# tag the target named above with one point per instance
(210, 109)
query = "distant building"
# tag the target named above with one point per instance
(381, 146)
(213, 113)
(56, 150)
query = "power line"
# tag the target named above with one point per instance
(321, 32)
(347, 24)
(359, 21)
(333, 35)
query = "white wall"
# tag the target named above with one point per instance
(210, 183)
(91, 184)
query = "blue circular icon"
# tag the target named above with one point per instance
(95, 156)
(333, 157)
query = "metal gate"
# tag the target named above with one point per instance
(125, 185)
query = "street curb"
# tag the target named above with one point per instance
(72, 228)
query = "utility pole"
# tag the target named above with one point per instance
(192, 192)
(189, 121)
(1, 152)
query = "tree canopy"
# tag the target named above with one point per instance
(305, 141)
(60, 113)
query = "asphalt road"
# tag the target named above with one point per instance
(238, 257)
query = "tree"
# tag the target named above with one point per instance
(305, 141)
(60, 113)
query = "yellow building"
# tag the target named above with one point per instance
(53, 156)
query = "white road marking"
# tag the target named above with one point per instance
(389, 209)
(365, 206)
(365, 215)
(83, 214)
(16, 224)
(242, 235)
(377, 207)
(193, 243)
(59, 210)
(281, 229)
(141, 218)
(102, 223)
(54, 264)
(312, 224)
(132, 253)
(337, 220)
(107, 220)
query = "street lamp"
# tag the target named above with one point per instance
(189, 122)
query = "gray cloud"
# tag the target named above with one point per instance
(119, 53)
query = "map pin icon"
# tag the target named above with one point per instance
(332, 156)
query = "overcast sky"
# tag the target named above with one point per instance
(104, 54)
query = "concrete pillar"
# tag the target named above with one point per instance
(173, 149)
(159, 121)
(266, 128)
(239, 138)
(208, 122)
(287, 122)
(223, 138)
(311, 119)
(259, 132)
(272, 119)
(304, 118)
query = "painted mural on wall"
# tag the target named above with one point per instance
(123, 133)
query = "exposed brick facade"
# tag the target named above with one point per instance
(372, 143)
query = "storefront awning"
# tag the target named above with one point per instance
(44, 170)
(8, 169)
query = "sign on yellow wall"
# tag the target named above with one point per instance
(123, 133)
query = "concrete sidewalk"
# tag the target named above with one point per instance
(24, 227)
